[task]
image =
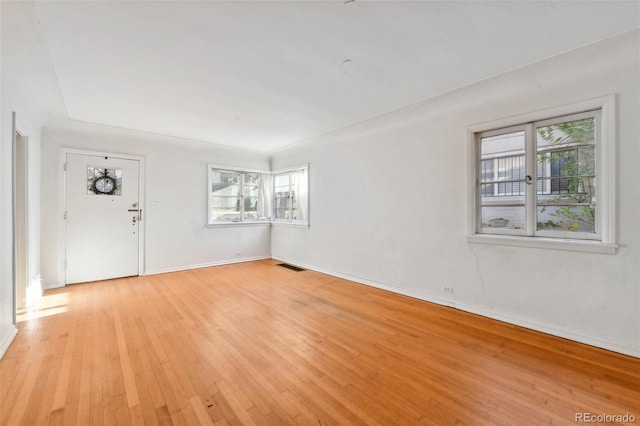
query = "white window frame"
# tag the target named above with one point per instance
(605, 182)
(292, 222)
(241, 172)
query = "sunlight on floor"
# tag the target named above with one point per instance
(48, 305)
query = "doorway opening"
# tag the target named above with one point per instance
(20, 221)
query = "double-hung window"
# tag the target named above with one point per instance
(547, 182)
(291, 196)
(236, 196)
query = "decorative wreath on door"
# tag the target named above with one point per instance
(104, 181)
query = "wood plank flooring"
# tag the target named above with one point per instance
(254, 343)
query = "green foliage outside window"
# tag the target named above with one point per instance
(570, 148)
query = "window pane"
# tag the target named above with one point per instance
(225, 183)
(504, 217)
(282, 198)
(282, 203)
(566, 176)
(251, 184)
(251, 208)
(502, 145)
(486, 174)
(282, 213)
(502, 186)
(251, 191)
(251, 178)
(574, 218)
(236, 196)
(282, 182)
(578, 132)
(225, 202)
(294, 205)
(225, 213)
(502, 167)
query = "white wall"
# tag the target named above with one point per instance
(175, 177)
(28, 87)
(7, 329)
(388, 205)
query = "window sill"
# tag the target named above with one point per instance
(545, 243)
(232, 224)
(258, 223)
(291, 224)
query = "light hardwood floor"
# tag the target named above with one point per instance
(254, 343)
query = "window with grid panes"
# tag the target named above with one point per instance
(284, 197)
(291, 196)
(543, 179)
(233, 196)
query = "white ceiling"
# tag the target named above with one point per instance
(262, 74)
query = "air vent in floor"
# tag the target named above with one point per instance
(293, 268)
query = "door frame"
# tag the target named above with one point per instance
(141, 191)
(20, 201)
(19, 237)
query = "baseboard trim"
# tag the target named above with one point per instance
(204, 265)
(558, 332)
(51, 286)
(531, 325)
(7, 339)
(381, 286)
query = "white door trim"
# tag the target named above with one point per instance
(14, 291)
(21, 219)
(141, 191)
(20, 165)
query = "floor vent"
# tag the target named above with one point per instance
(293, 268)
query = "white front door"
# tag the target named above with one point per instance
(102, 217)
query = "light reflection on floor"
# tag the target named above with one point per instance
(48, 305)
